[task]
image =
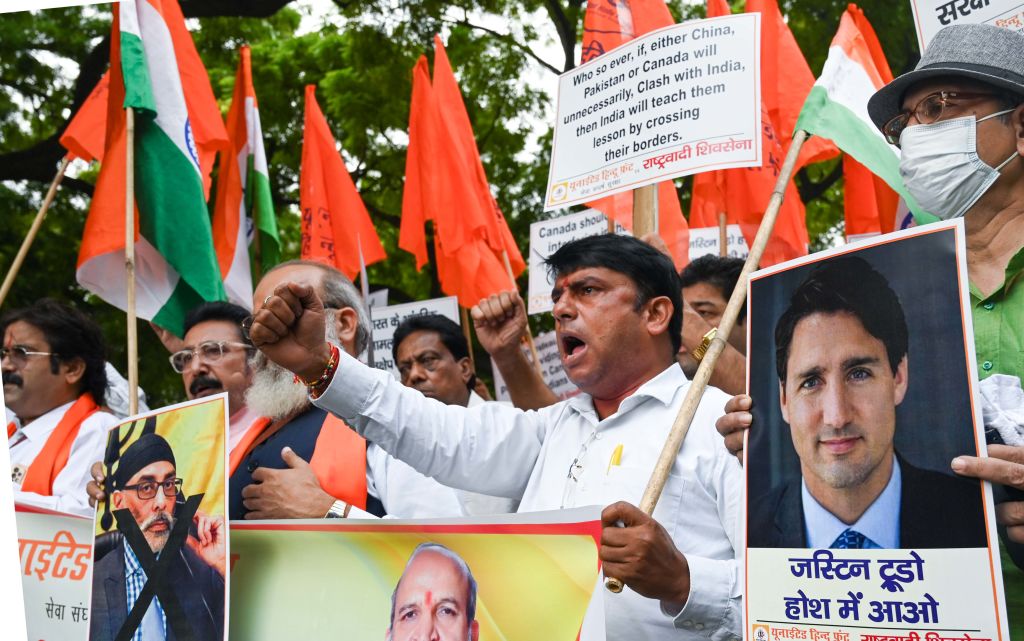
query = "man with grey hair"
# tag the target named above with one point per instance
(435, 598)
(304, 463)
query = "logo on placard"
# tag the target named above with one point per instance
(559, 192)
(761, 632)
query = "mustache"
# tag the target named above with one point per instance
(158, 518)
(10, 378)
(204, 381)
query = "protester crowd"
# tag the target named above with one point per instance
(315, 433)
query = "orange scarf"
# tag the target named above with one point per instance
(54, 455)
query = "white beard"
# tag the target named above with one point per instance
(274, 392)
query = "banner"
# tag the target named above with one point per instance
(386, 320)
(551, 369)
(862, 374)
(677, 101)
(161, 544)
(705, 240)
(546, 237)
(930, 16)
(518, 577)
(56, 573)
(12, 606)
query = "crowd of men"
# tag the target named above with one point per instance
(315, 433)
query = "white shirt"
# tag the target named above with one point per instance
(69, 486)
(503, 451)
(405, 493)
(880, 523)
(474, 504)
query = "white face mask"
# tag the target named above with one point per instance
(941, 168)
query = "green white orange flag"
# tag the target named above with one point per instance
(243, 207)
(837, 106)
(607, 25)
(176, 268)
(336, 228)
(87, 130)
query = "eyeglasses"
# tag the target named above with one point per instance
(19, 355)
(147, 489)
(572, 479)
(207, 351)
(927, 111)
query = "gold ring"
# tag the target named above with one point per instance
(267, 300)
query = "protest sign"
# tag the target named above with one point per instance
(56, 568)
(930, 16)
(533, 577)
(705, 240)
(12, 606)
(166, 476)
(546, 236)
(862, 374)
(377, 298)
(676, 101)
(550, 366)
(387, 319)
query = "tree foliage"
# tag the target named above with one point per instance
(360, 56)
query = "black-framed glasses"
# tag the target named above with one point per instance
(207, 351)
(147, 489)
(927, 111)
(19, 354)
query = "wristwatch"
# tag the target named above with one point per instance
(338, 511)
(699, 351)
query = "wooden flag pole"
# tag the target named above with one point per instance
(526, 332)
(12, 273)
(464, 313)
(129, 264)
(723, 235)
(645, 210)
(364, 284)
(707, 364)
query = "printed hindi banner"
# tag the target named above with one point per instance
(518, 577)
(551, 369)
(674, 102)
(932, 15)
(386, 320)
(706, 240)
(161, 546)
(546, 237)
(56, 569)
(862, 373)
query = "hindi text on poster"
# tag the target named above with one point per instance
(930, 16)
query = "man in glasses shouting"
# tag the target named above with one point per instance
(54, 382)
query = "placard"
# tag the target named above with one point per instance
(862, 374)
(386, 320)
(705, 240)
(528, 576)
(546, 237)
(551, 369)
(676, 101)
(12, 606)
(930, 16)
(56, 573)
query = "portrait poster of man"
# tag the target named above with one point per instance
(515, 578)
(161, 549)
(861, 370)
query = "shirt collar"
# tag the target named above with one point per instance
(474, 399)
(662, 387)
(880, 522)
(1014, 272)
(40, 429)
(131, 562)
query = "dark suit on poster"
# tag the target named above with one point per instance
(200, 590)
(936, 511)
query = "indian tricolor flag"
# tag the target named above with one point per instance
(244, 212)
(176, 268)
(837, 107)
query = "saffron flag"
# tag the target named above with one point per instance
(445, 183)
(176, 268)
(85, 134)
(607, 25)
(243, 209)
(336, 227)
(837, 105)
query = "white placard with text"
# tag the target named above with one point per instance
(930, 16)
(385, 321)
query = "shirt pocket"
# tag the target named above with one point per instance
(624, 483)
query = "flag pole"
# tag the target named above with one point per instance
(526, 332)
(723, 235)
(645, 210)
(364, 284)
(707, 364)
(12, 273)
(129, 263)
(257, 256)
(464, 313)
